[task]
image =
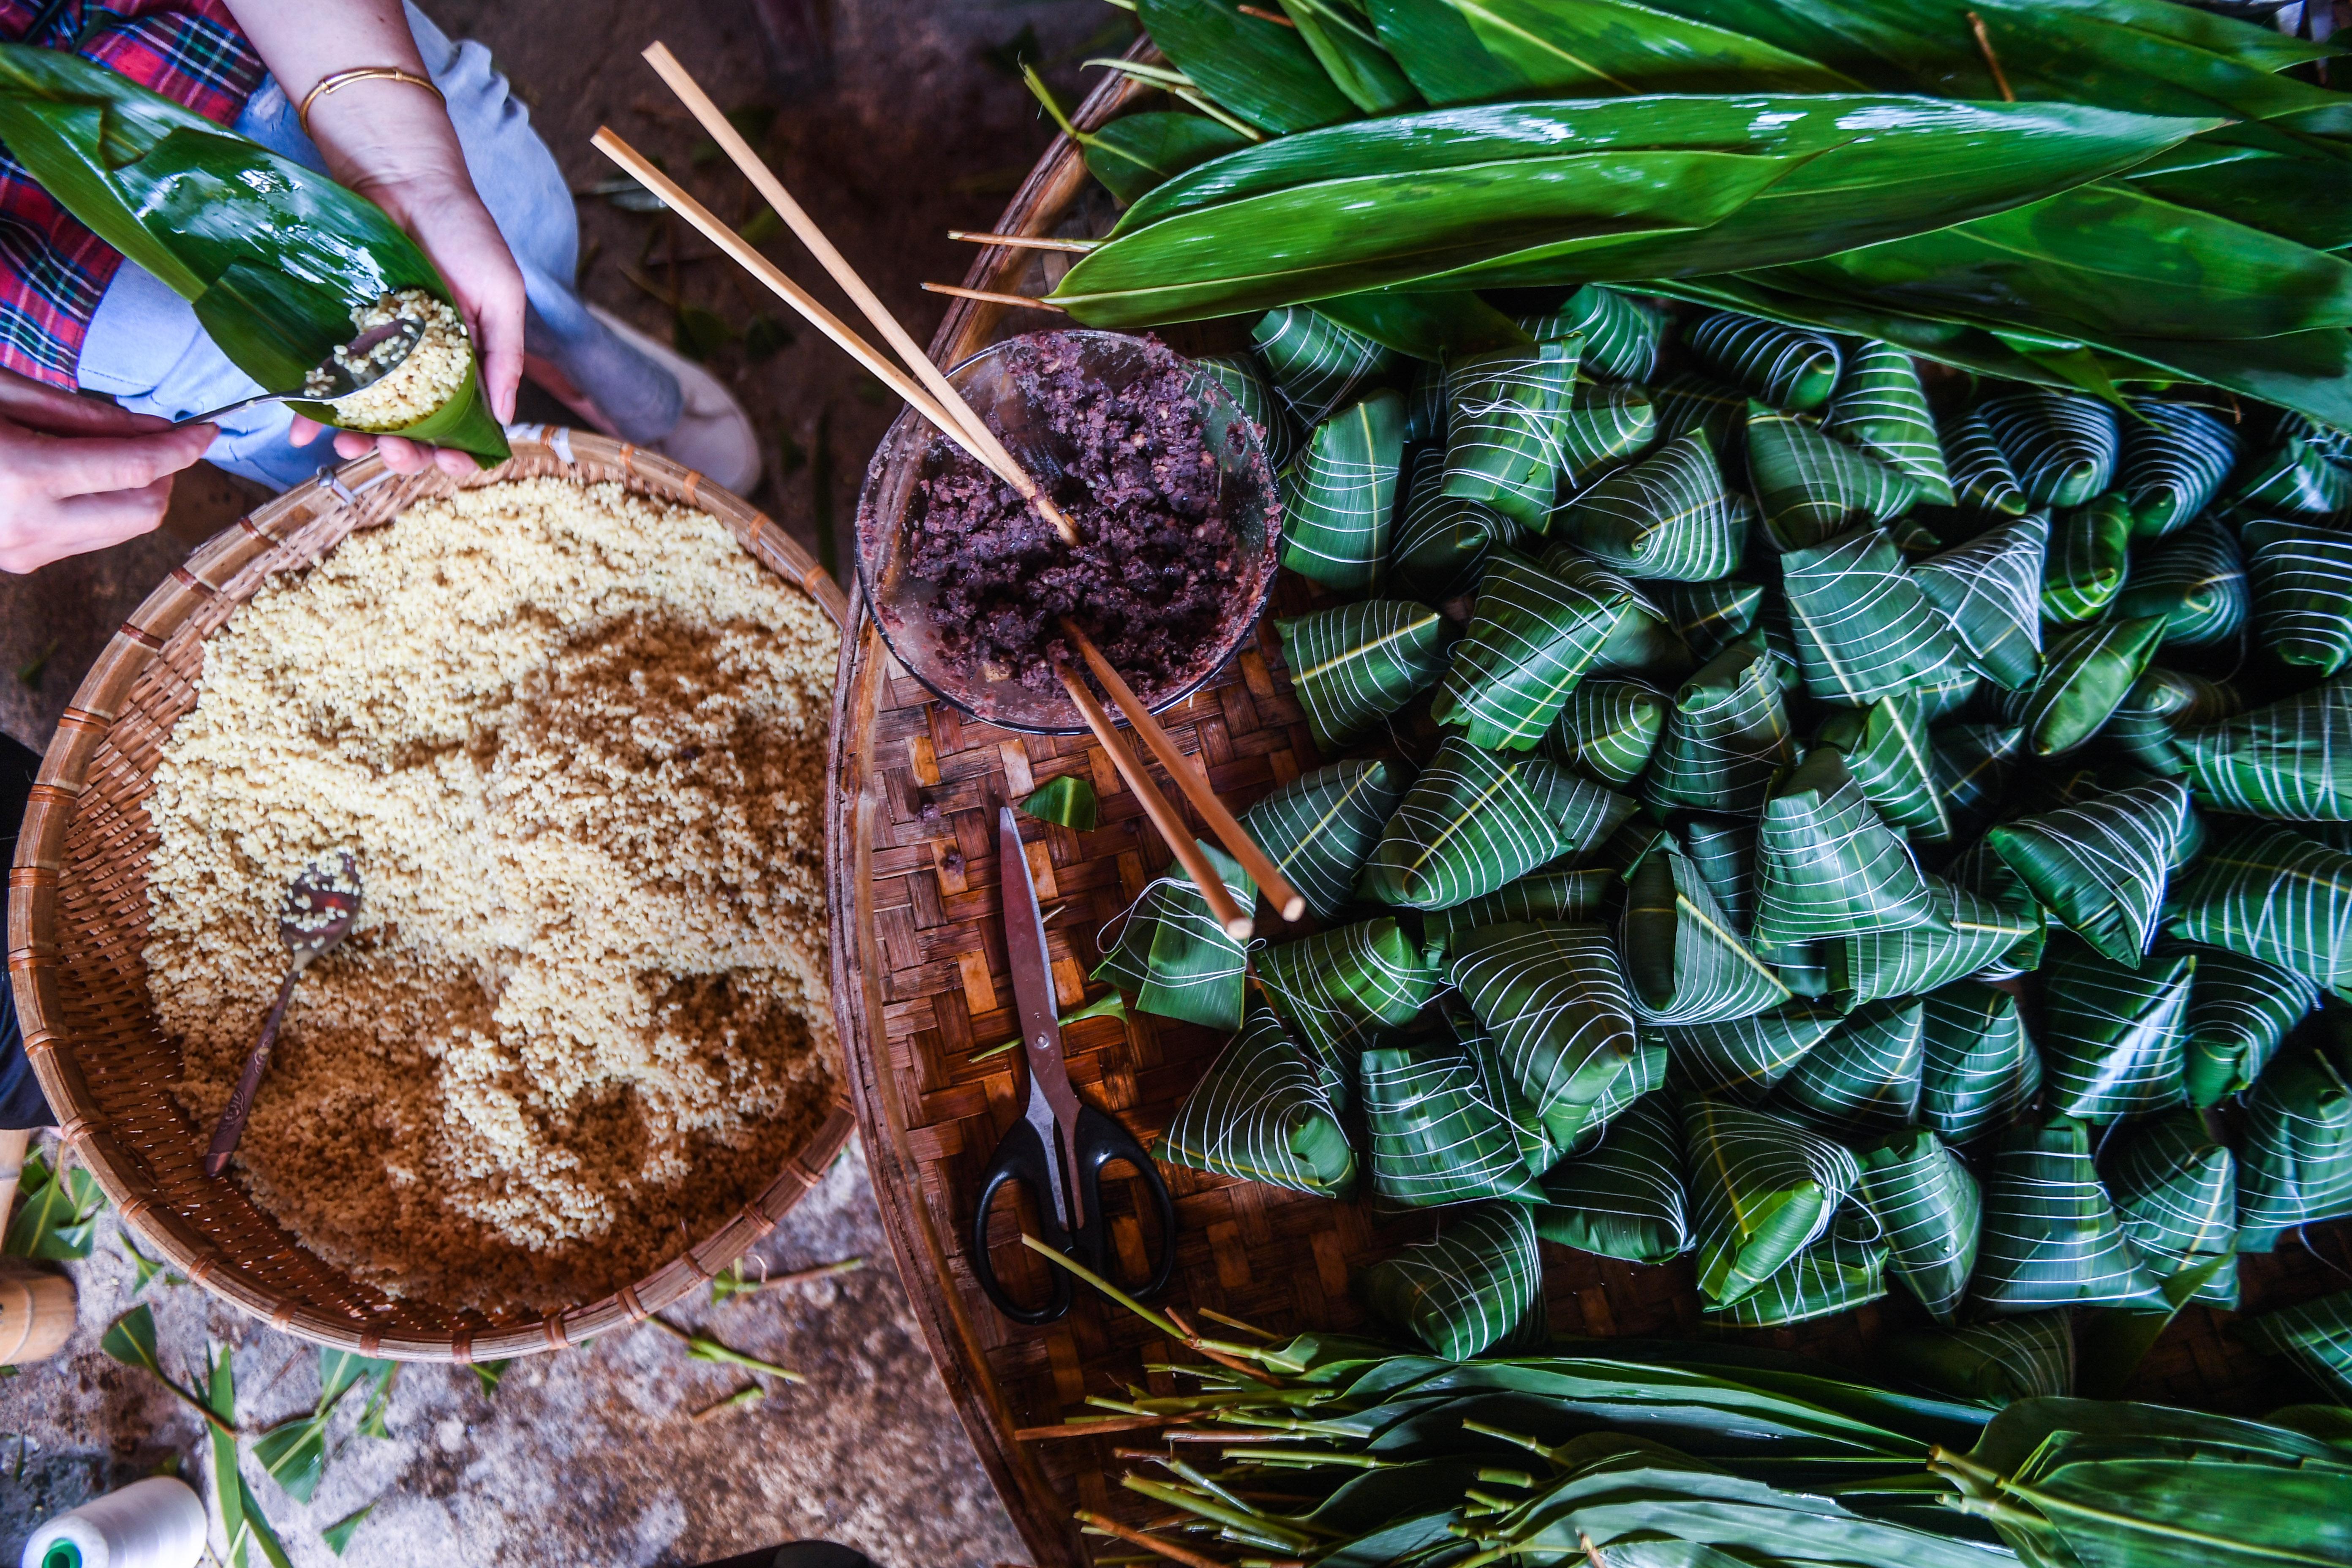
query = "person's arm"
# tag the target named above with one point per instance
(393, 142)
(77, 474)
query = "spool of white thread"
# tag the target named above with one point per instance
(155, 1523)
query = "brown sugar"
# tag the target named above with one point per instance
(575, 739)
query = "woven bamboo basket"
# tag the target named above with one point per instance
(921, 984)
(77, 921)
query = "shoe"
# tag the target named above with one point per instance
(713, 435)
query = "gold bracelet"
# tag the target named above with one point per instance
(329, 83)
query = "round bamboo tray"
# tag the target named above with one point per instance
(77, 921)
(920, 984)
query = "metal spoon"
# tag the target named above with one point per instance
(322, 907)
(340, 379)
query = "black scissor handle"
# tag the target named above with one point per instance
(1102, 1142)
(1021, 1158)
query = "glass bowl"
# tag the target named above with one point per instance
(912, 451)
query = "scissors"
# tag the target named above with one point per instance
(1059, 1147)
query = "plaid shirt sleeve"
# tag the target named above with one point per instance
(52, 269)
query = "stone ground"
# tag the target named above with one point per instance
(893, 121)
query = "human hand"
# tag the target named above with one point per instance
(402, 153)
(78, 475)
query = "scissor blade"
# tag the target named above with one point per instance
(1032, 996)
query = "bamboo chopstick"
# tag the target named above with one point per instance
(745, 255)
(1024, 241)
(1230, 915)
(763, 180)
(988, 296)
(1190, 778)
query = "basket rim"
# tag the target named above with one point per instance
(299, 526)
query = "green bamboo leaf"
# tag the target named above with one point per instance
(1340, 990)
(1864, 628)
(1317, 365)
(275, 257)
(56, 1213)
(1640, 643)
(2308, 473)
(2112, 1036)
(2294, 1146)
(1623, 336)
(1685, 960)
(1927, 1207)
(1319, 829)
(1499, 446)
(1442, 1130)
(1466, 51)
(1260, 70)
(2175, 1191)
(1688, 401)
(1722, 849)
(2316, 1336)
(1864, 1080)
(1836, 1274)
(1909, 962)
(1240, 376)
(2301, 598)
(1879, 407)
(1972, 763)
(2239, 1010)
(2085, 674)
(2027, 1357)
(2195, 578)
(1625, 1199)
(1607, 730)
(1137, 151)
(1175, 955)
(1684, 186)
(1474, 1285)
(1337, 494)
(1984, 483)
(1068, 800)
(1343, 42)
(1742, 1058)
(1727, 736)
(2145, 727)
(1441, 542)
(1442, 326)
(2290, 760)
(1979, 1067)
(2050, 1237)
(1778, 365)
(2101, 865)
(257, 1526)
(1813, 489)
(340, 1370)
(1762, 1189)
(2175, 457)
(1353, 665)
(1477, 819)
(338, 1535)
(2271, 893)
(294, 1454)
(1555, 1003)
(1886, 750)
(1600, 424)
(1709, 615)
(1665, 517)
(1991, 593)
(2062, 445)
(131, 1340)
(1260, 1113)
(1531, 637)
(1827, 867)
(2089, 550)
(1565, 894)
